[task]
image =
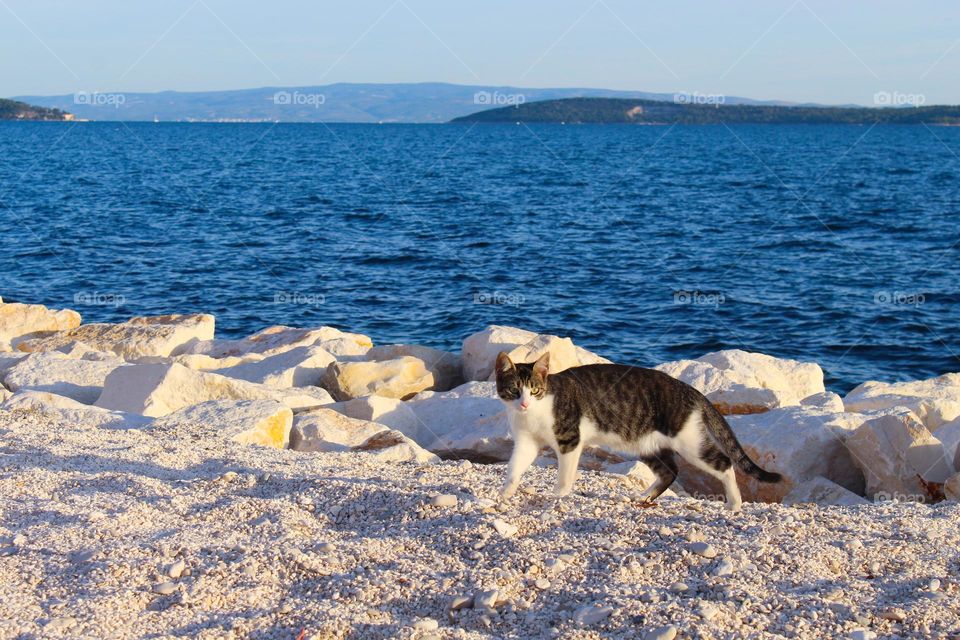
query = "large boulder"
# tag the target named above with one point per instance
(740, 382)
(8, 360)
(22, 321)
(480, 351)
(935, 401)
(279, 338)
(446, 367)
(949, 435)
(328, 430)
(78, 378)
(298, 367)
(261, 422)
(399, 378)
(391, 412)
(70, 412)
(802, 443)
(160, 389)
(138, 337)
(951, 488)
(467, 422)
(899, 457)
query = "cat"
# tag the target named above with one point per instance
(637, 411)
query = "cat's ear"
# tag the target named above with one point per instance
(542, 366)
(504, 363)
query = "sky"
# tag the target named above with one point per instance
(834, 52)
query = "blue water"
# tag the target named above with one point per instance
(836, 244)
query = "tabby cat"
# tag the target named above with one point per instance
(638, 411)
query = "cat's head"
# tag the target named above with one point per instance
(522, 384)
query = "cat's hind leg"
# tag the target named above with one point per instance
(699, 449)
(525, 450)
(664, 466)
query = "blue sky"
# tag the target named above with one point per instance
(801, 50)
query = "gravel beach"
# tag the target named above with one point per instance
(173, 531)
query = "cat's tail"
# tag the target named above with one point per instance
(720, 429)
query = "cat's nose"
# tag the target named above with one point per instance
(524, 404)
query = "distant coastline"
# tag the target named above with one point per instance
(653, 112)
(15, 110)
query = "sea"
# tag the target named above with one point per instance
(833, 244)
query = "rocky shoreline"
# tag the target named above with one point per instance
(307, 479)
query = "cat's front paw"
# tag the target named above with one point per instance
(561, 492)
(507, 492)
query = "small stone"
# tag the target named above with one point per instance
(853, 545)
(895, 615)
(426, 625)
(668, 632)
(445, 500)
(862, 634)
(19, 540)
(933, 585)
(165, 588)
(665, 531)
(59, 625)
(504, 528)
(695, 536)
(543, 583)
(229, 476)
(874, 568)
(326, 547)
(679, 587)
(486, 599)
(461, 602)
(707, 611)
(723, 568)
(703, 549)
(175, 570)
(591, 614)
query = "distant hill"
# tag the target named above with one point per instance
(15, 110)
(343, 102)
(625, 111)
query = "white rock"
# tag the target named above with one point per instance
(276, 339)
(935, 401)
(399, 378)
(949, 435)
(800, 442)
(446, 367)
(822, 492)
(724, 568)
(668, 632)
(392, 412)
(23, 321)
(591, 614)
(165, 588)
(175, 570)
(826, 401)
(80, 379)
(141, 336)
(159, 389)
(862, 634)
(486, 599)
(69, 411)
(5, 394)
(426, 625)
(480, 351)
(467, 422)
(704, 549)
(951, 488)
(444, 500)
(327, 430)
(262, 422)
(894, 452)
(298, 367)
(8, 360)
(741, 382)
(504, 528)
